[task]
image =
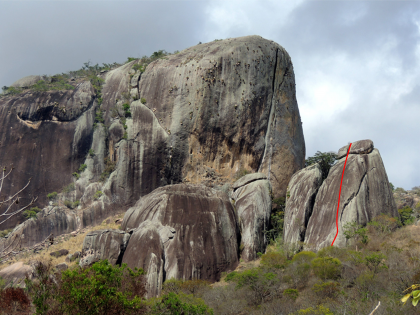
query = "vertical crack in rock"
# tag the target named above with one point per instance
(270, 119)
(354, 196)
(308, 215)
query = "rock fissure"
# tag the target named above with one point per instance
(272, 108)
(353, 196)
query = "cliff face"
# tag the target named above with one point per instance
(198, 116)
(45, 136)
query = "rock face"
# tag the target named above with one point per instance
(303, 188)
(252, 195)
(183, 232)
(365, 194)
(26, 81)
(104, 244)
(15, 274)
(199, 116)
(45, 136)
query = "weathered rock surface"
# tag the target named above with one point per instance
(303, 188)
(202, 116)
(26, 81)
(104, 244)
(365, 194)
(45, 136)
(183, 232)
(15, 274)
(52, 220)
(252, 197)
(59, 253)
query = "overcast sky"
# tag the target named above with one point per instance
(357, 63)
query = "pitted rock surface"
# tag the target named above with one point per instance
(183, 232)
(303, 188)
(253, 206)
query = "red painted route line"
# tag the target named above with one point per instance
(339, 194)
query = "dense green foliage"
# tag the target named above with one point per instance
(52, 196)
(31, 213)
(406, 215)
(325, 161)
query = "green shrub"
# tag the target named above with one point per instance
(325, 161)
(91, 152)
(69, 188)
(291, 293)
(143, 100)
(99, 117)
(304, 257)
(319, 310)
(275, 228)
(31, 213)
(354, 230)
(52, 196)
(127, 111)
(5, 232)
(384, 224)
(274, 260)
(2, 283)
(375, 262)
(71, 205)
(97, 195)
(82, 168)
(94, 290)
(173, 303)
(326, 267)
(406, 215)
(328, 289)
(125, 136)
(231, 276)
(77, 175)
(109, 168)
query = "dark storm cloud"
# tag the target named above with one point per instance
(53, 37)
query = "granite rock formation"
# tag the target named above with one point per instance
(303, 188)
(252, 196)
(198, 116)
(177, 231)
(365, 194)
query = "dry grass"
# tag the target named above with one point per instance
(66, 241)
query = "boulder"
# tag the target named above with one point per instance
(365, 194)
(59, 253)
(252, 196)
(26, 81)
(103, 244)
(15, 274)
(184, 232)
(303, 188)
(62, 267)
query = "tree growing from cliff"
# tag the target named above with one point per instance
(325, 160)
(11, 206)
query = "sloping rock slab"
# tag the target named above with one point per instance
(253, 205)
(303, 188)
(104, 244)
(16, 274)
(205, 242)
(247, 179)
(365, 194)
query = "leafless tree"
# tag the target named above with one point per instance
(11, 206)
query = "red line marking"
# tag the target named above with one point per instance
(339, 194)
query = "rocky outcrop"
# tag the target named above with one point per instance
(303, 188)
(252, 196)
(365, 194)
(104, 244)
(45, 136)
(183, 232)
(26, 81)
(14, 275)
(200, 116)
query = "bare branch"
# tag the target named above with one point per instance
(17, 211)
(379, 303)
(12, 197)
